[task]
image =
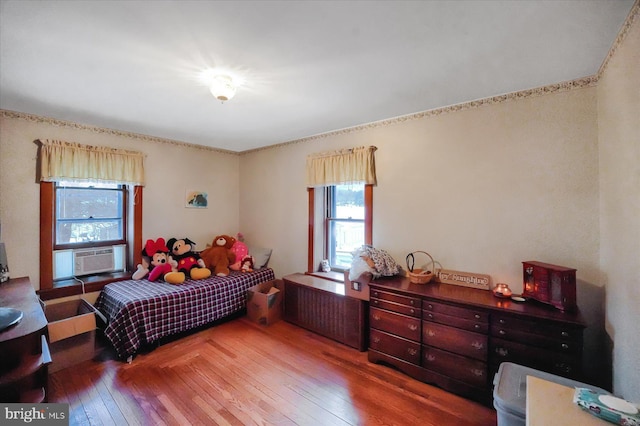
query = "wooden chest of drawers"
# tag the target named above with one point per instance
(456, 337)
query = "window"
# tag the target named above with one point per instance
(340, 188)
(87, 229)
(338, 232)
(344, 223)
(89, 215)
(64, 229)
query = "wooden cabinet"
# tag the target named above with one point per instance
(456, 337)
(320, 305)
(24, 353)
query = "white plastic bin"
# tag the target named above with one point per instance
(510, 391)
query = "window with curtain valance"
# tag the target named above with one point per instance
(90, 206)
(61, 160)
(345, 166)
(340, 186)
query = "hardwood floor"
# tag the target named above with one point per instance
(241, 373)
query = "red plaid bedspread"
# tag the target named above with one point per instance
(140, 312)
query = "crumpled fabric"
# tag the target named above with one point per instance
(383, 263)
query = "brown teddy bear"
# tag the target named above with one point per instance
(219, 256)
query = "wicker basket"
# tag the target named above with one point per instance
(419, 276)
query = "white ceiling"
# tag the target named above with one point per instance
(310, 67)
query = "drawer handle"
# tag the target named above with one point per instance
(376, 317)
(376, 339)
(564, 346)
(429, 306)
(430, 316)
(431, 333)
(412, 302)
(478, 345)
(375, 293)
(477, 372)
(375, 302)
(477, 316)
(501, 321)
(565, 334)
(431, 358)
(502, 352)
(413, 311)
(565, 368)
(477, 326)
(413, 327)
(502, 332)
(412, 351)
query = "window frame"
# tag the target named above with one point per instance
(331, 219)
(123, 210)
(47, 242)
(313, 260)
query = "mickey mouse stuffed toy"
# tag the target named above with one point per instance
(157, 263)
(188, 260)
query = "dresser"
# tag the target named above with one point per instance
(456, 337)
(24, 352)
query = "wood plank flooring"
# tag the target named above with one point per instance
(241, 373)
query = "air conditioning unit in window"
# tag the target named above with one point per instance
(93, 261)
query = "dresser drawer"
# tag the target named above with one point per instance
(394, 297)
(391, 322)
(395, 346)
(465, 369)
(526, 337)
(477, 326)
(455, 340)
(550, 330)
(457, 311)
(554, 362)
(395, 307)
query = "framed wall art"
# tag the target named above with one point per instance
(196, 200)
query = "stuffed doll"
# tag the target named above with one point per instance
(188, 260)
(219, 256)
(246, 264)
(157, 263)
(240, 251)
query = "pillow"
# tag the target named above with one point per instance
(260, 255)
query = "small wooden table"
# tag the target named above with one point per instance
(551, 404)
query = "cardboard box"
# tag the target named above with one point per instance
(72, 332)
(264, 302)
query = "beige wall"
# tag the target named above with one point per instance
(171, 170)
(480, 189)
(619, 146)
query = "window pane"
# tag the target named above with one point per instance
(346, 237)
(349, 202)
(74, 203)
(88, 231)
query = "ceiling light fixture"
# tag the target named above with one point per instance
(222, 87)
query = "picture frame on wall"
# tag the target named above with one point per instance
(196, 200)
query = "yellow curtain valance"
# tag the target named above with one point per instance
(345, 166)
(61, 160)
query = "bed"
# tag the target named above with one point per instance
(140, 312)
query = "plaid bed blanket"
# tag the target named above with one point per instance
(140, 312)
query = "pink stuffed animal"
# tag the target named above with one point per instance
(240, 251)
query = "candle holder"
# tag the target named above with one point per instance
(502, 291)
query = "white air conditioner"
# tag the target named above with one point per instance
(93, 261)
